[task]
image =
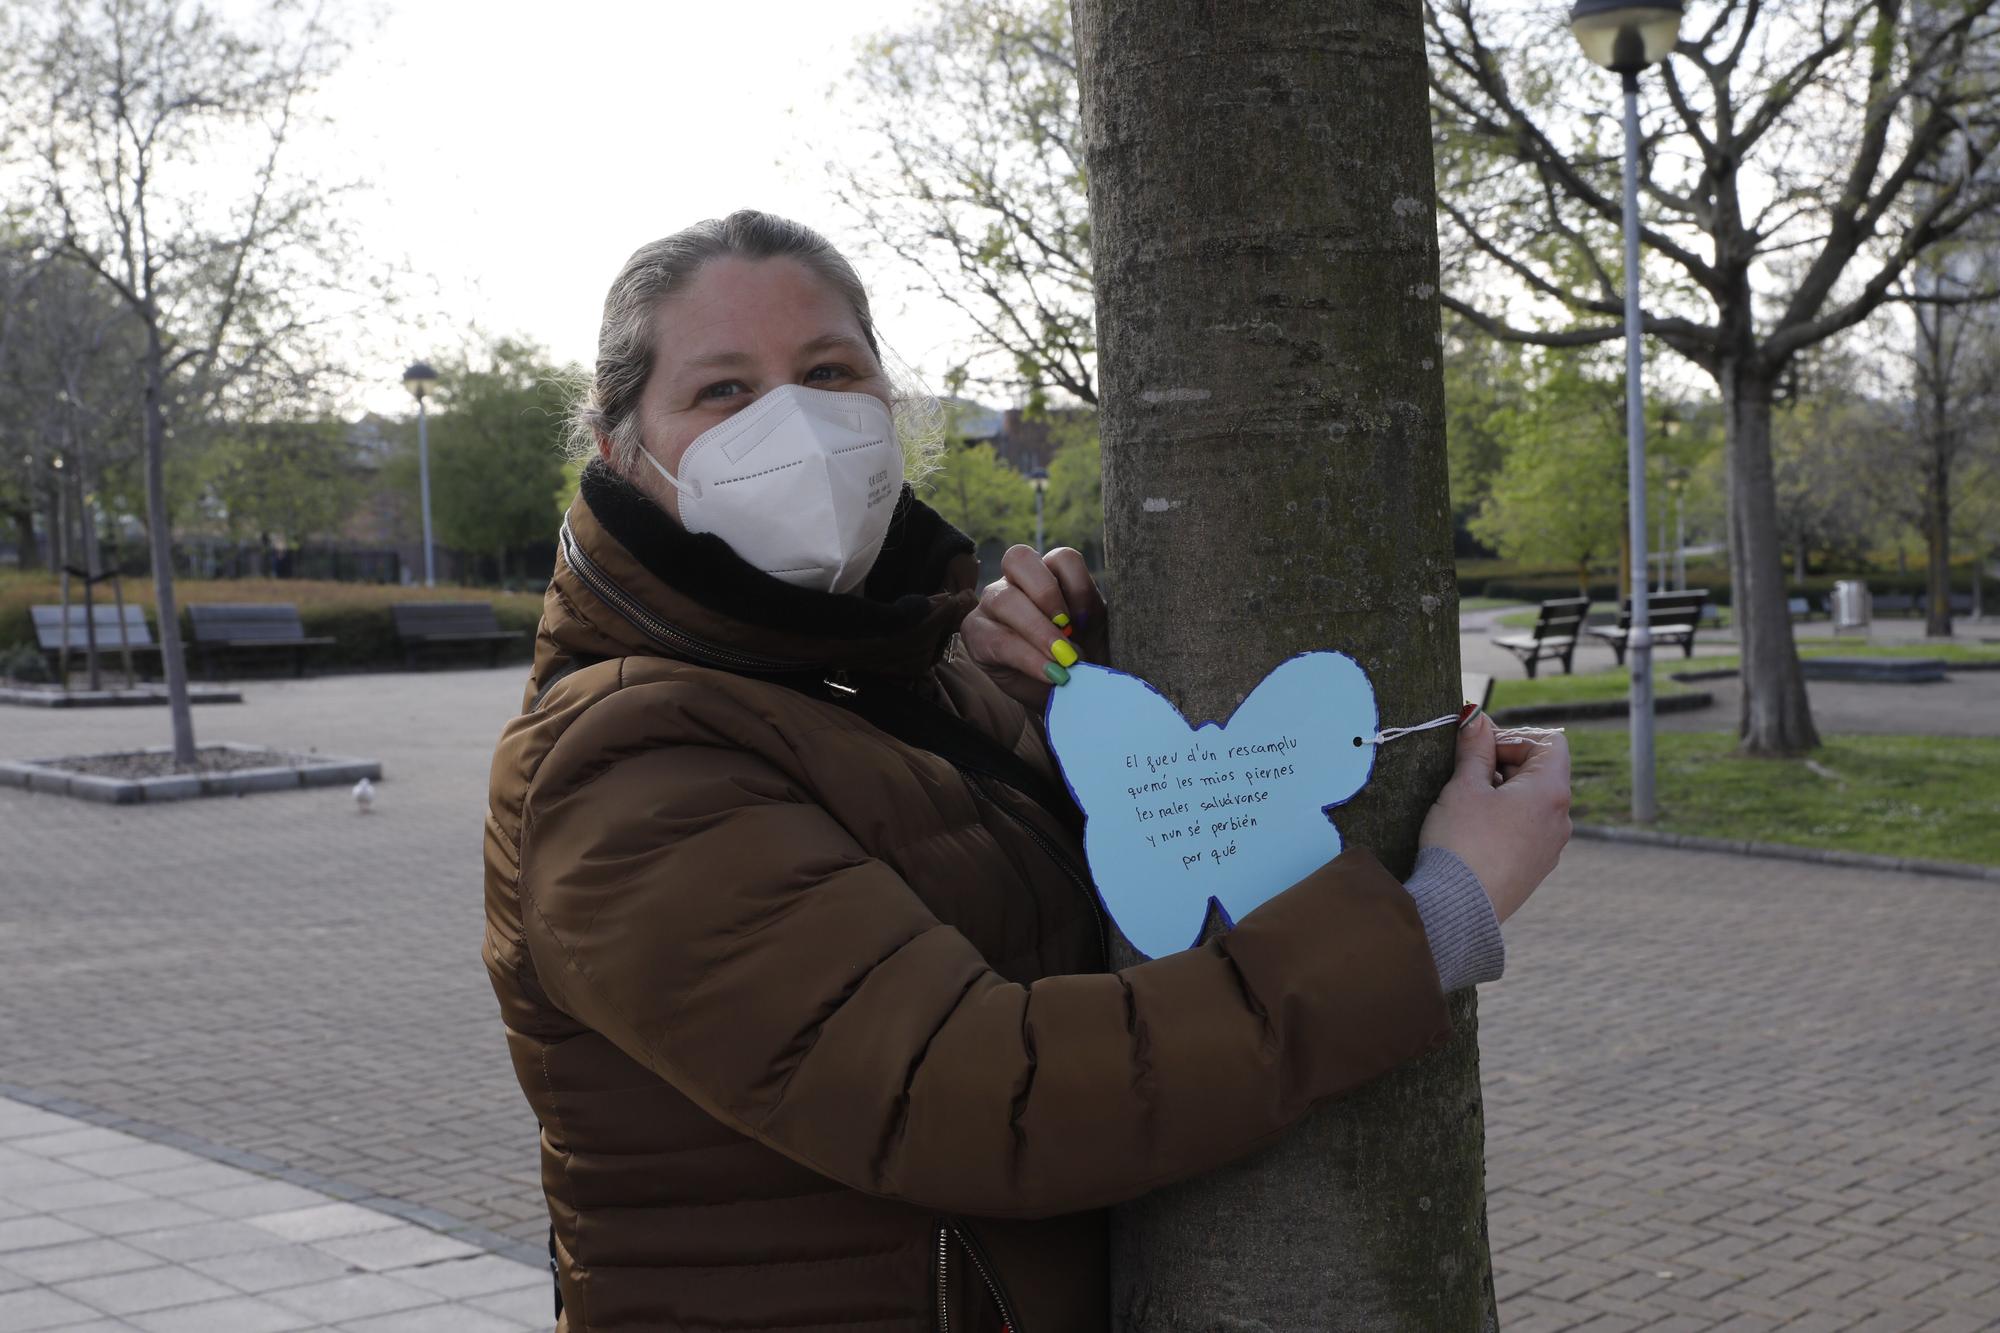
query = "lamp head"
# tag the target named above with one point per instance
(1626, 36)
(418, 379)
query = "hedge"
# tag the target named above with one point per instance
(1541, 587)
(355, 615)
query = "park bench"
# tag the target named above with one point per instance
(1554, 634)
(1673, 617)
(226, 627)
(1894, 603)
(448, 624)
(52, 628)
(1961, 603)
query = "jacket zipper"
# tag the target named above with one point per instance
(1055, 854)
(972, 1251)
(677, 640)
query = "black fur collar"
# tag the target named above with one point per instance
(914, 566)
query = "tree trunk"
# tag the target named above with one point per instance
(1937, 538)
(1264, 237)
(1777, 716)
(173, 663)
(26, 556)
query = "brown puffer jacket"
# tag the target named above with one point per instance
(818, 1026)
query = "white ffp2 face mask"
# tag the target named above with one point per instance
(802, 484)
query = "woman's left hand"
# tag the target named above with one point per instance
(1016, 631)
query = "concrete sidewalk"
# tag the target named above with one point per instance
(101, 1230)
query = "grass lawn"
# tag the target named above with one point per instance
(1928, 796)
(1560, 689)
(1948, 652)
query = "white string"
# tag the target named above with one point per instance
(1536, 736)
(1387, 734)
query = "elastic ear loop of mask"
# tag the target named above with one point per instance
(1536, 736)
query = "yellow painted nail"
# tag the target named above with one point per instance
(1062, 620)
(1063, 652)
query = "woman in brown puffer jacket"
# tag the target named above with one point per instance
(798, 959)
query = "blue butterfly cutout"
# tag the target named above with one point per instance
(1234, 812)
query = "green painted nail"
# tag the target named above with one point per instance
(1057, 674)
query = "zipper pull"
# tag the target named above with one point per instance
(839, 681)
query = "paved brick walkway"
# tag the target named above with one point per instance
(1722, 1093)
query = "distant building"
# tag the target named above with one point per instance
(1022, 442)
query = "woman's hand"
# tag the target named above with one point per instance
(1505, 812)
(1015, 634)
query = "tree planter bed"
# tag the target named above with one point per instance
(1888, 670)
(226, 769)
(48, 696)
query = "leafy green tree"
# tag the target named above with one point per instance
(162, 157)
(1798, 165)
(1482, 376)
(981, 496)
(973, 178)
(296, 478)
(1073, 513)
(1558, 495)
(496, 450)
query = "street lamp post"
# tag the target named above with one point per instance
(1626, 36)
(418, 380)
(1039, 479)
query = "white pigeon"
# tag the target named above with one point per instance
(364, 796)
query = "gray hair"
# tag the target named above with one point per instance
(607, 405)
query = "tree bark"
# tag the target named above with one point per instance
(1264, 236)
(1776, 718)
(26, 556)
(173, 663)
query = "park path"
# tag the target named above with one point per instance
(1777, 1085)
(101, 1230)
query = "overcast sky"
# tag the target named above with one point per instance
(518, 151)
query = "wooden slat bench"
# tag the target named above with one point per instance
(1554, 635)
(51, 629)
(1895, 604)
(225, 627)
(1673, 616)
(446, 624)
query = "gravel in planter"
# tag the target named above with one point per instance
(227, 769)
(158, 764)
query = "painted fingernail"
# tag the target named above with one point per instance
(1467, 715)
(1062, 620)
(1056, 674)
(1063, 652)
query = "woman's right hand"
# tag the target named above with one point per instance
(1505, 812)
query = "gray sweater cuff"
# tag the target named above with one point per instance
(1458, 918)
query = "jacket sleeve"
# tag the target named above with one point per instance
(729, 934)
